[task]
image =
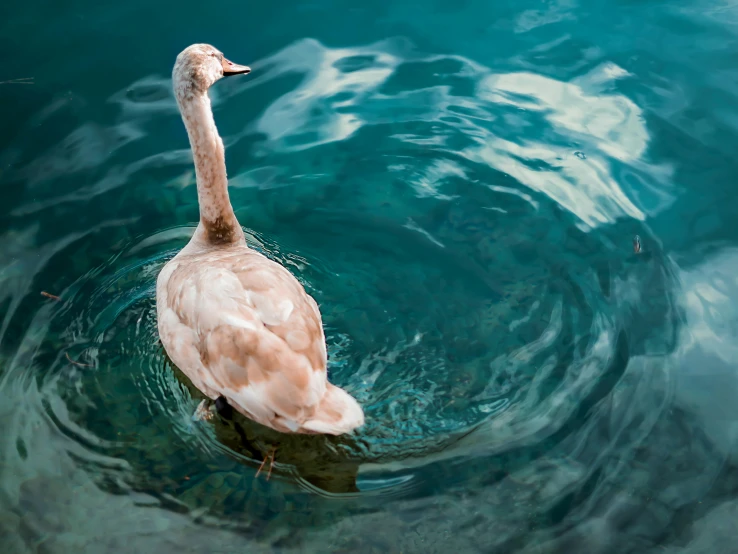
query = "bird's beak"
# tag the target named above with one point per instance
(230, 68)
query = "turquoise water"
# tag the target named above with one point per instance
(459, 185)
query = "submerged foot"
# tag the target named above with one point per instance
(271, 455)
(203, 411)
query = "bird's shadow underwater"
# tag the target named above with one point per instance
(325, 462)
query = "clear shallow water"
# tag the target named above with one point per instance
(458, 185)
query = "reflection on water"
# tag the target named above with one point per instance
(531, 382)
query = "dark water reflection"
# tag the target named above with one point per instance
(462, 204)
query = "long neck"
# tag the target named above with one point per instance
(218, 223)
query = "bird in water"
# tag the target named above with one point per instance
(238, 325)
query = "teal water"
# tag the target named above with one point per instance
(459, 185)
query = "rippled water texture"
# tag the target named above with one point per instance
(459, 185)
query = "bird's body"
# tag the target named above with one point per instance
(240, 326)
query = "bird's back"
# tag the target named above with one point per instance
(241, 326)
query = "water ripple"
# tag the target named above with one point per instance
(468, 235)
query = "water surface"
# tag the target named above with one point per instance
(459, 185)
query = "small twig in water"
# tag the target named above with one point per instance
(19, 81)
(52, 296)
(80, 364)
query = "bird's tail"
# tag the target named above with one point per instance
(338, 413)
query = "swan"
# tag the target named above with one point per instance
(239, 326)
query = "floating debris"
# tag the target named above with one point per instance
(580, 155)
(19, 81)
(80, 364)
(49, 295)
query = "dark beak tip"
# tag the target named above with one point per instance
(230, 68)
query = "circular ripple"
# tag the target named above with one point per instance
(479, 291)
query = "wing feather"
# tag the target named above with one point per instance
(243, 327)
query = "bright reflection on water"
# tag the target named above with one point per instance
(465, 220)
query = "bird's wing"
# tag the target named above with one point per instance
(241, 326)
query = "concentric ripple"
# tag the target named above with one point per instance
(468, 236)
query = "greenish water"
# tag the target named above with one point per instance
(459, 185)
